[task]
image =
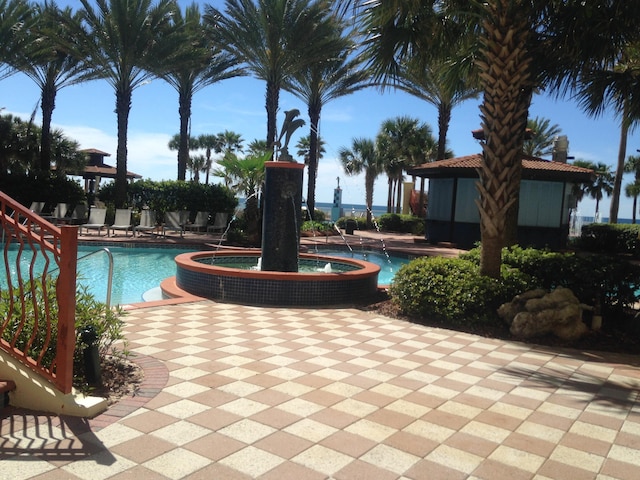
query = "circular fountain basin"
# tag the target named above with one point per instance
(227, 276)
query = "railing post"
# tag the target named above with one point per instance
(66, 295)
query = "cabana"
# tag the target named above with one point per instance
(544, 206)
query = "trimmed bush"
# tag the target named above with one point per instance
(610, 239)
(393, 222)
(452, 289)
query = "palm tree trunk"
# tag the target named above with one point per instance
(622, 152)
(399, 193)
(505, 70)
(123, 107)
(444, 118)
(390, 195)
(273, 96)
(184, 110)
(314, 120)
(369, 182)
(635, 205)
(48, 104)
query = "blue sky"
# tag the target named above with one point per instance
(85, 113)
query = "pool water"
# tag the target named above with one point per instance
(138, 272)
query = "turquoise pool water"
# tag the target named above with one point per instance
(138, 272)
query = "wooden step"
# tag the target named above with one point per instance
(6, 386)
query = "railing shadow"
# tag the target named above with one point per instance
(29, 436)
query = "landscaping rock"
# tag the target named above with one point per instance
(537, 313)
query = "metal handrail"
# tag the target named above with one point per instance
(110, 279)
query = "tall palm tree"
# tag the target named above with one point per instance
(336, 75)
(199, 63)
(304, 148)
(543, 135)
(435, 85)
(123, 42)
(44, 60)
(632, 190)
(632, 165)
(363, 157)
(522, 45)
(210, 144)
(601, 185)
(403, 142)
(274, 39)
(15, 19)
(615, 85)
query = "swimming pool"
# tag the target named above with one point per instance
(138, 271)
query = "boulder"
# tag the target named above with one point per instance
(538, 312)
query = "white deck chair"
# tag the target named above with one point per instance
(200, 222)
(96, 220)
(121, 222)
(220, 223)
(175, 221)
(147, 222)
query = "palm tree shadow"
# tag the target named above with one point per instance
(31, 436)
(622, 393)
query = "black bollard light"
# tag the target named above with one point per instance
(92, 369)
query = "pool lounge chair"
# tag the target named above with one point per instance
(121, 222)
(219, 224)
(147, 222)
(96, 220)
(175, 221)
(200, 222)
(79, 215)
(58, 213)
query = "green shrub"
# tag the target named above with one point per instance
(51, 189)
(361, 221)
(106, 322)
(393, 222)
(316, 226)
(171, 195)
(610, 280)
(610, 239)
(452, 289)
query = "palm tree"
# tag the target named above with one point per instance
(363, 157)
(230, 141)
(436, 85)
(403, 142)
(543, 135)
(632, 190)
(304, 148)
(246, 176)
(632, 165)
(198, 64)
(334, 76)
(615, 84)
(274, 38)
(44, 61)
(16, 17)
(123, 42)
(257, 147)
(210, 143)
(602, 183)
(197, 164)
(521, 46)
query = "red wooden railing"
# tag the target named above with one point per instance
(43, 252)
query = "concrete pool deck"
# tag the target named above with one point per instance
(237, 392)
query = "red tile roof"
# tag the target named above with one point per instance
(532, 168)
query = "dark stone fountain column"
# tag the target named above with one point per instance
(282, 216)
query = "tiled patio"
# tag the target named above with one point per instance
(237, 392)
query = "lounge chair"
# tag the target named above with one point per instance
(121, 222)
(37, 207)
(96, 220)
(175, 221)
(219, 224)
(79, 214)
(147, 222)
(58, 213)
(200, 222)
